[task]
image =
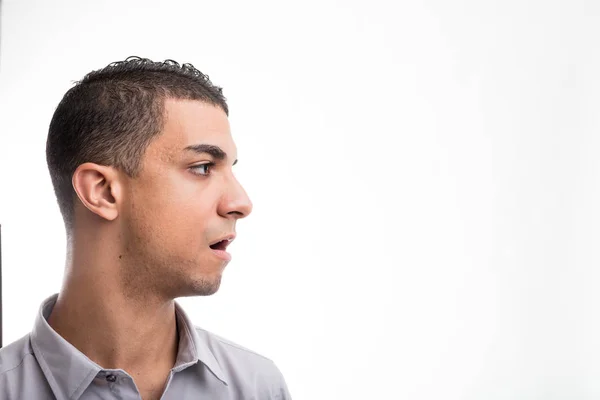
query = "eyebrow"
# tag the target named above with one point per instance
(213, 150)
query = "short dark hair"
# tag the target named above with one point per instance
(112, 115)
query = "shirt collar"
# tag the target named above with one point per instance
(192, 348)
(69, 371)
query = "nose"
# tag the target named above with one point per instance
(235, 202)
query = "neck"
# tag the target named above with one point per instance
(115, 328)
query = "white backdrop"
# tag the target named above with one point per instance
(424, 175)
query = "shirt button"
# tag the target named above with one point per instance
(111, 378)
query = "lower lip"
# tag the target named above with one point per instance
(222, 254)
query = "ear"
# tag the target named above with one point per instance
(99, 189)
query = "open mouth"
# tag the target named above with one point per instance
(222, 245)
(219, 247)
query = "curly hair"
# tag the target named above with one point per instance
(112, 115)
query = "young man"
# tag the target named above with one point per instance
(140, 155)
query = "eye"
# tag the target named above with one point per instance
(202, 169)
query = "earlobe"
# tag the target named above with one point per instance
(98, 189)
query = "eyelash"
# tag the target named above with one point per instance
(206, 165)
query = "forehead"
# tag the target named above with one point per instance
(191, 122)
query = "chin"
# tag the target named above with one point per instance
(205, 286)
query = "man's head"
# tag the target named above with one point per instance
(142, 151)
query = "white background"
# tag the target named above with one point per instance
(425, 178)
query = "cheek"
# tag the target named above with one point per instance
(178, 213)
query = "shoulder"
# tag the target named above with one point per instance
(246, 368)
(20, 374)
(14, 355)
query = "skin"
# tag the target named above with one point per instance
(139, 243)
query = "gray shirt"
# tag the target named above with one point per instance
(42, 365)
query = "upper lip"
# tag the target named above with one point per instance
(227, 239)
